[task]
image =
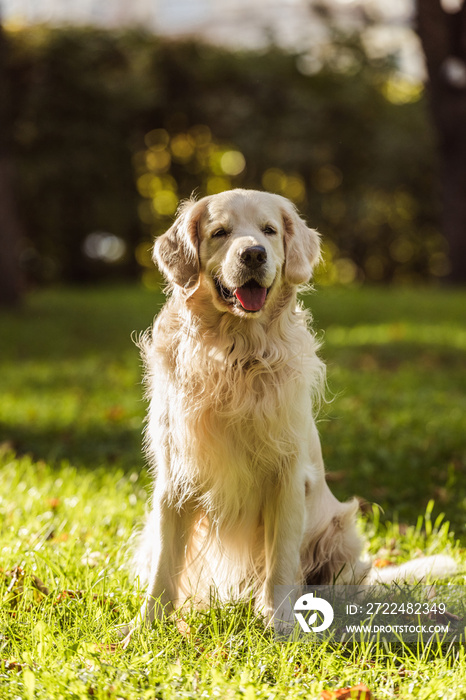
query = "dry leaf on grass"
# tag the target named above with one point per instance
(11, 665)
(16, 586)
(113, 648)
(69, 594)
(444, 617)
(39, 586)
(183, 628)
(382, 563)
(355, 692)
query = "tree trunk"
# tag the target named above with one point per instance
(10, 229)
(443, 37)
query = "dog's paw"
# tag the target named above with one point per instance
(281, 620)
(150, 611)
(125, 633)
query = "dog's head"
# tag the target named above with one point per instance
(242, 245)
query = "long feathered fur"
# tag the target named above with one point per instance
(228, 376)
(240, 501)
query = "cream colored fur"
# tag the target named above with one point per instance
(240, 501)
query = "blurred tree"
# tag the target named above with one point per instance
(112, 129)
(443, 37)
(10, 275)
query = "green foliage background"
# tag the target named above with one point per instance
(350, 144)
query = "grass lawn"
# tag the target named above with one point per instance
(73, 486)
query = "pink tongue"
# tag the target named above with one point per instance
(251, 298)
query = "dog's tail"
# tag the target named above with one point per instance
(435, 567)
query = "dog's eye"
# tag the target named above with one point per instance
(219, 232)
(269, 230)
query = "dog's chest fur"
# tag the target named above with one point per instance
(238, 413)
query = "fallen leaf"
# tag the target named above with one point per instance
(113, 648)
(355, 692)
(17, 575)
(16, 585)
(404, 673)
(39, 585)
(444, 617)
(74, 595)
(11, 665)
(15, 588)
(217, 655)
(183, 628)
(381, 563)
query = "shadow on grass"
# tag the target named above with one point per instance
(89, 448)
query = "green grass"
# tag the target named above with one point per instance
(73, 486)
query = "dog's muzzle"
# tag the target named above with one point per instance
(250, 294)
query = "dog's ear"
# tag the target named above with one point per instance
(302, 246)
(176, 252)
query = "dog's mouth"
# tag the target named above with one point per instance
(250, 296)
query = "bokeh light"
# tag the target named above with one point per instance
(104, 246)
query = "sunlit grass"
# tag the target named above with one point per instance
(73, 487)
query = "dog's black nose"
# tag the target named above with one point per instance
(254, 256)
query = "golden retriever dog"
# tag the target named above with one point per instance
(240, 502)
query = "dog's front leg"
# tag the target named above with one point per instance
(170, 532)
(283, 532)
